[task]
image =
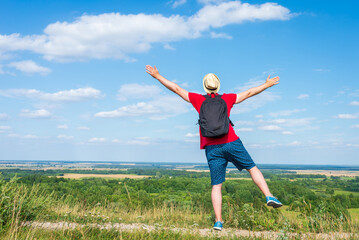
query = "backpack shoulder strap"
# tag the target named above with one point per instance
(206, 96)
(210, 96)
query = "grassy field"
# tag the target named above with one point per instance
(167, 206)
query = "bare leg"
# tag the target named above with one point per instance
(217, 201)
(259, 180)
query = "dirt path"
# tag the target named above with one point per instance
(205, 232)
(94, 175)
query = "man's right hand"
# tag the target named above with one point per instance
(153, 71)
(272, 81)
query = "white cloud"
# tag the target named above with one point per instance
(95, 139)
(285, 112)
(270, 128)
(276, 124)
(29, 66)
(249, 123)
(4, 116)
(254, 145)
(13, 135)
(182, 127)
(41, 113)
(47, 105)
(1, 70)
(185, 84)
(352, 145)
(235, 12)
(303, 96)
(116, 35)
(178, 3)
(134, 110)
(64, 126)
(206, 2)
(347, 116)
(137, 91)
(256, 101)
(71, 95)
(192, 135)
(4, 128)
(137, 142)
(354, 103)
(245, 129)
(142, 141)
(67, 137)
(220, 35)
(291, 122)
(27, 136)
(287, 133)
(160, 108)
(294, 143)
(321, 70)
(168, 47)
(84, 128)
(355, 126)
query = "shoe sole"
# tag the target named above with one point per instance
(273, 204)
(217, 228)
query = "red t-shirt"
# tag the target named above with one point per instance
(197, 100)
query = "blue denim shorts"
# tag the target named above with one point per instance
(219, 155)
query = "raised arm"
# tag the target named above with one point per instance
(153, 71)
(254, 91)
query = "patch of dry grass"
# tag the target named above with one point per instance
(336, 173)
(167, 215)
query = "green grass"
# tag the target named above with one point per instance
(343, 192)
(347, 177)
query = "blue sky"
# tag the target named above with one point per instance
(73, 84)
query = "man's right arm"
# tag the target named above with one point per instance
(254, 91)
(153, 71)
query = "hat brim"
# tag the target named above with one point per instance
(207, 90)
(210, 90)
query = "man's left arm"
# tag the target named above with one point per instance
(254, 91)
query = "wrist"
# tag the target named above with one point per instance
(155, 76)
(268, 85)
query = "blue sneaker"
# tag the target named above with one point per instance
(272, 201)
(218, 226)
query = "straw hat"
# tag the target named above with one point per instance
(211, 83)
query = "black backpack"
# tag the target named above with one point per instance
(213, 117)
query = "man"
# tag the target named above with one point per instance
(227, 148)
